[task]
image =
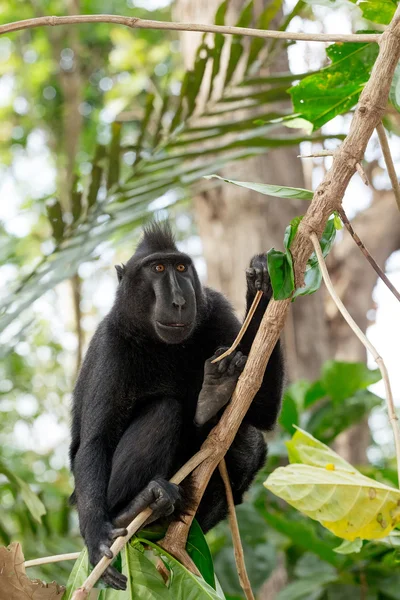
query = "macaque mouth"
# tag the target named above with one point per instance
(171, 324)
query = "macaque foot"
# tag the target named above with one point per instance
(160, 495)
(219, 382)
(99, 546)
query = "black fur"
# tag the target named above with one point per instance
(136, 396)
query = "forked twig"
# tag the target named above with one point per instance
(237, 543)
(381, 274)
(389, 162)
(243, 328)
(365, 341)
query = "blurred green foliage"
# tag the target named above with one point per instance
(126, 75)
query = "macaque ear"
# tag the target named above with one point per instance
(120, 271)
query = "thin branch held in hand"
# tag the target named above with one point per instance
(389, 162)
(243, 328)
(237, 543)
(136, 23)
(381, 274)
(365, 341)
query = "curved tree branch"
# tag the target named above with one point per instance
(136, 23)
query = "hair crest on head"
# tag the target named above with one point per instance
(157, 237)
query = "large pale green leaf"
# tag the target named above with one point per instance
(335, 89)
(328, 489)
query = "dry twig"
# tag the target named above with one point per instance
(365, 341)
(243, 328)
(381, 274)
(237, 543)
(362, 173)
(317, 154)
(136, 23)
(389, 162)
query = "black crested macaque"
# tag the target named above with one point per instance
(134, 410)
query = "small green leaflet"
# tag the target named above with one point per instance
(280, 264)
(347, 547)
(335, 89)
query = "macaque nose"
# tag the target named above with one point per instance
(178, 301)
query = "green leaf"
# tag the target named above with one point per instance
(315, 392)
(196, 77)
(329, 490)
(304, 448)
(96, 175)
(55, 216)
(76, 201)
(114, 155)
(302, 534)
(280, 268)
(183, 585)
(219, 41)
(290, 231)
(263, 22)
(312, 275)
(237, 47)
(78, 575)
(335, 89)
(378, 11)
(33, 503)
(347, 547)
(289, 415)
(337, 221)
(329, 420)
(270, 190)
(199, 552)
(306, 588)
(394, 94)
(342, 379)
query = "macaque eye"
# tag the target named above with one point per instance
(181, 268)
(159, 268)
